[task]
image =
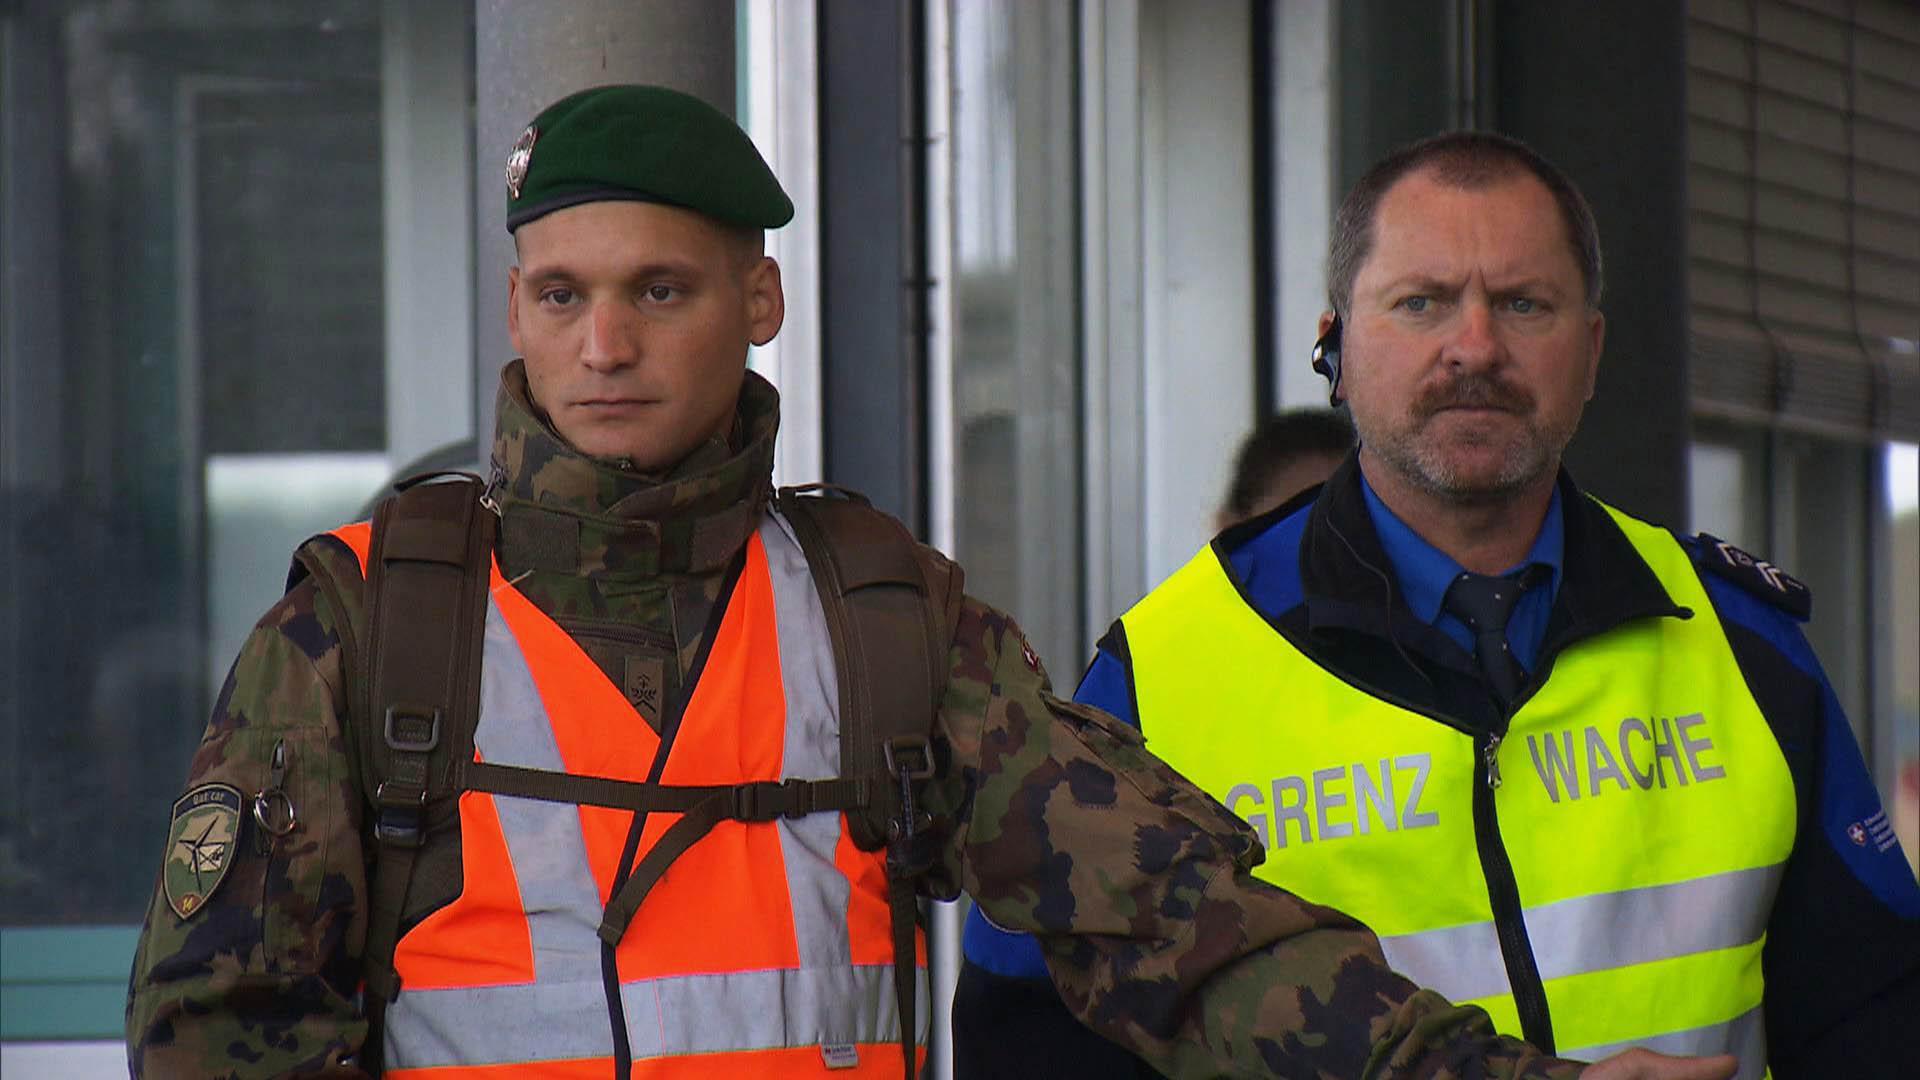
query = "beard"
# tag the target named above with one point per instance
(1462, 464)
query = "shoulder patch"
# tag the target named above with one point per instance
(200, 846)
(1754, 574)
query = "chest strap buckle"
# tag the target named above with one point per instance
(767, 799)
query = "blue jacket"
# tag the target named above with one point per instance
(1842, 960)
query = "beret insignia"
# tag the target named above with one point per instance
(519, 159)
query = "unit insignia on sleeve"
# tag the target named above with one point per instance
(200, 845)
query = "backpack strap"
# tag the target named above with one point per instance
(891, 608)
(427, 571)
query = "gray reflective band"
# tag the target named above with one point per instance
(1595, 933)
(562, 1014)
(544, 839)
(811, 684)
(1462, 962)
(557, 892)
(688, 1014)
(1744, 1036)
(754, 1010)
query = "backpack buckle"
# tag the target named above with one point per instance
(909, 757)
(404, 728)
(768, 799)
(402, 813)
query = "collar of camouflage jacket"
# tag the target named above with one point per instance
(566, 512)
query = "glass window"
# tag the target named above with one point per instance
(197, 233)
(1016, 354)
(1726, 484)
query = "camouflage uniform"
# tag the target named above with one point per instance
(1058, 820)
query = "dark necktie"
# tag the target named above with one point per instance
(1485, 604)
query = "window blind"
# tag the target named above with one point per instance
(1804, 214)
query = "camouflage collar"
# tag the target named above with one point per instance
(565, 512)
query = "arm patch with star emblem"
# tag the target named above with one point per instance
(200, 846)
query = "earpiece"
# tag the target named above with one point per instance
(1326, 360)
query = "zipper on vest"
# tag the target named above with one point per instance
(1509, 922)
(1503, 892)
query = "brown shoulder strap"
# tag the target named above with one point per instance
(427, 570)
(891, 607)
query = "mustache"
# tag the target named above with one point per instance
(1478, 391)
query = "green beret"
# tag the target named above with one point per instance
(647, 144)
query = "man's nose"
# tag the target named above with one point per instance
(1475, 342)
(612, 338)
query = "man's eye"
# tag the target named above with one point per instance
(1522, 306)
(660, 294)
(557, 297)
(1417, 304)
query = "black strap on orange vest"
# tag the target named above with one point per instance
(891, 608)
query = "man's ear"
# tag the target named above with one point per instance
(513, 309)
(766, 301)
(1326, 355)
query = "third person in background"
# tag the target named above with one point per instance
(1284, 455)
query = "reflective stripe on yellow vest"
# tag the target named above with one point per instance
(1645, 806)
(765, 950)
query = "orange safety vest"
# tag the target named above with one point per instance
(765, 950)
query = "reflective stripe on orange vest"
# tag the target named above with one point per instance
(764, 950)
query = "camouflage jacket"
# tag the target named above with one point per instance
(1059, 822)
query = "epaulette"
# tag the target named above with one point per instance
(1754, 574)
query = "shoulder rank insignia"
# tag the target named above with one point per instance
(1756, 575)
(200, 845)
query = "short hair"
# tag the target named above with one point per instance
(1460, 159)
(1277, 442)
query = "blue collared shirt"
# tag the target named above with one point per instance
(1424, 573)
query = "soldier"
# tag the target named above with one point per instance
(595, 812)
(1569, 766)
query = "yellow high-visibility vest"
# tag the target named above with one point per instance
(1643, 804)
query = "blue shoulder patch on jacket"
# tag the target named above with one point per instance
(1752, 573)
